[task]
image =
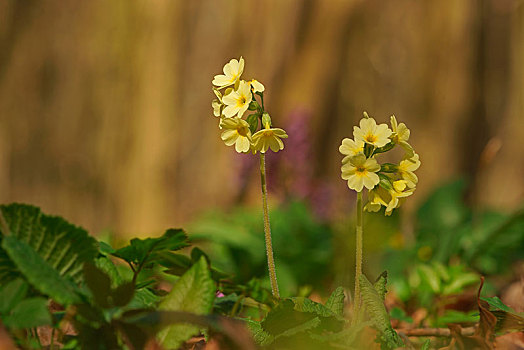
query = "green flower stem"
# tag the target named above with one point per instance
(267, 230)
(358, 253)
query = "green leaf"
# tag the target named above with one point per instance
(260, 336)
(378, 314)
(142, 252)
(335, 302)
(283, 317)
(454, 316)
(193, 292)
(28, 313)
(399, 314)
(380, 285)
(426, 345)
(252, 120)
(99, 284)
(11, 294)
(61, 245)
(39, 273)
(497, 304)
(428, 274)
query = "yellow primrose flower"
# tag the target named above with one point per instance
(349, 148)
(236, 131)
(257, 86)
(401, 135)
(360, 172)
(232, 72)
(377, 197)
(370, 132)
(391, 199)
(406, 170)
(399, 190)
(237, 102)
(269, 138)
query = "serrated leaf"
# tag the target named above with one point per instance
(378, 313)
(28, 313)
(144, 251)
(381, 284)
(260, 336)
(335, 302)
(307, 305)
(61, 245)
(39, 273)
(193, 292)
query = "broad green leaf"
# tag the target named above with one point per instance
(378, 313)
(11, 294)
(283, 317)
(39, 273)
(141, 252)
(335, 302)
(99, 284)
(193, 292)
(60, 245)
(28, 313)
(105, 264)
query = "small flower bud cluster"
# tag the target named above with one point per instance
(388, 184)
(255, 132)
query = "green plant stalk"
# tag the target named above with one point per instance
(267, 230)
(358, 254)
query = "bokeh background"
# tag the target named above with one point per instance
(105, 106)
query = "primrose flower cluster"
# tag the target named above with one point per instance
(234, 98)
(388, 184)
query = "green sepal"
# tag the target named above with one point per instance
(384, 148)
(388, 167)
(385, 182)
(266, 120)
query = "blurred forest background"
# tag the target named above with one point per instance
(105, 106)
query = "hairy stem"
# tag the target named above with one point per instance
(267, 230)
(358, 254)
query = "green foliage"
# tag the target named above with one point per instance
(193, 292)
(39, 273)
(143, 252)
(302, 323)
(335, 303)
(378, 314)
(59, 245)
(19, 312)
(235, 244)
